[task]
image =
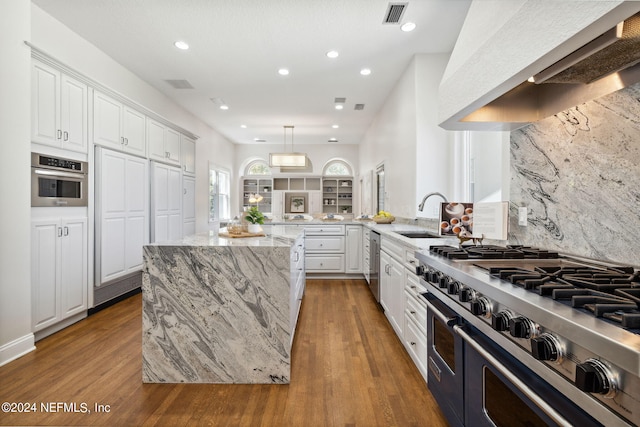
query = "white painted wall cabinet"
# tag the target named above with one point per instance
(118, 126)
(58, 270)
(58, 109)
(163, 143)
(353, 252)
(188, 155)
(122, 213)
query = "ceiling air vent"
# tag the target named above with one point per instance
(358, 107)
(394, 13)
(340, 100)
(179, 84)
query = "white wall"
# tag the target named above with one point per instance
(59, 41)
(15, 255)
(405, 136)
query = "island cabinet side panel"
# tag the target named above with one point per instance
(216, 315)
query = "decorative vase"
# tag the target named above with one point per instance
(254, 228)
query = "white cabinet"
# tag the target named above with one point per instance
(122, 213)
(325, 248)
(166, 203)
(163, 143)
(415, 322)
(353, 252)
(298, 282)
(58, 270)
(188, 205)
(58, 109)
(366, 256)
(188, 155)
(118, 126)
(392, 278)
(392, 291)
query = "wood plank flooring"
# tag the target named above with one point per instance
(348, 369)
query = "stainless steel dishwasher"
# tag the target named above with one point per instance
(374, 264)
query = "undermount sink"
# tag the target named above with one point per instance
(418, 234)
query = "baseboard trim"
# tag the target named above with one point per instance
(17, 348)
(112, 301)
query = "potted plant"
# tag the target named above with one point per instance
(255, 218)
(345, 209)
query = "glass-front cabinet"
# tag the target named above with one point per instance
(257, 191)
(337, 195)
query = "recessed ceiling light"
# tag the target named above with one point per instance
(531, 79)
(181, 45)
(408, 26)
(257, 139)
(333, 54)
(335, 126)
(332, 140)
(283, 72)
(365, 71)
(224, 107)
(339, 106)
(243, 126)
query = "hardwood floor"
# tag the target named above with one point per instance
(348, 369)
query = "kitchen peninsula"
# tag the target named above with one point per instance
(222, 310)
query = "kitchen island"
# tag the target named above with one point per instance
(221, 310)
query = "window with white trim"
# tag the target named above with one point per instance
(258, 167)
(219, 194)
(337, 168)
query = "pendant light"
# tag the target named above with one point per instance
(288, 159)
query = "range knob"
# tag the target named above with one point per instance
(434, 276)
(419, 270)
(547, 347)
(521, 327)
(500, 320)
(481, 307)
(453, 287)
(593, 376)
(466, 294)
(444, 281)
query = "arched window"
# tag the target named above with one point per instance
(337, 168)
(258, 167)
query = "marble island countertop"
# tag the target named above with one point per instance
(276, 236)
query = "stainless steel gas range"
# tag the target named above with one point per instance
(522, 335)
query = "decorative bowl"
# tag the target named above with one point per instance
(383, 219)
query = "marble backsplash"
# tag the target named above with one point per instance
(578, 173)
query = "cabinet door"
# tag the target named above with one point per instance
(188, 155)
(172, 146)
(385, 289)
(112, 198)
(166, 203)
(354, 249)
(396, 296)
(45, 100)
(137, 214)
(133, 131)
(73, 267)
(73, 114)
(188, 205)
(45, 272)
(155, 140)
(107, 116)
(175, 204)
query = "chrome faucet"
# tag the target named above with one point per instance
(421, 205)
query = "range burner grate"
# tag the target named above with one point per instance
(493, 252)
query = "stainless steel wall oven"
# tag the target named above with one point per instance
(56, 181)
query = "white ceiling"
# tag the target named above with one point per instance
(237, 47)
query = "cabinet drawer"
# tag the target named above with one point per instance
(392, 248)
(325, 263)
(312, 230)
(415, 288)
(416, 311)
(332, 244)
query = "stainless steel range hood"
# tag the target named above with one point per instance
(605, 65)
(576, 52)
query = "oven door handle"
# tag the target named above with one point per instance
(449, 321)
(540, 402)
(77, 176)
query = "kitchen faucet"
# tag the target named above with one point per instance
(435, 193)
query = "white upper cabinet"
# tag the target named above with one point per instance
(163, 143)
(118, 126)
(188, 150)
(58, 109)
